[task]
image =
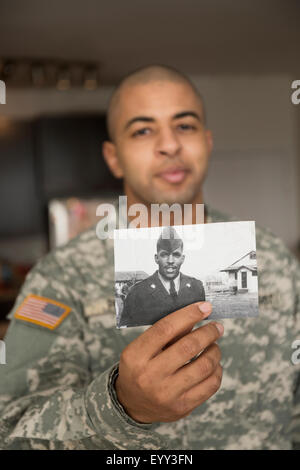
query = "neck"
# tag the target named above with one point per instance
(188, 214)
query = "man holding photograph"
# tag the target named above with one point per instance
(74, 381)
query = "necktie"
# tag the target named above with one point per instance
(173, 292)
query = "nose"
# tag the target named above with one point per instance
(168, 143)
(170, 259)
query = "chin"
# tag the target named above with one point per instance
(156, 194)
(170, 277)
(176, 195)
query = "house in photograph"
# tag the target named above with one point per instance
(242, 274)
(215, 282)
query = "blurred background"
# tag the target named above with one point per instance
(60, 61)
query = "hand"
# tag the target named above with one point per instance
(156, 381)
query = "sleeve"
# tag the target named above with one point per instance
(296, 362)
(126, 315)
(49, 398)
(201, 291)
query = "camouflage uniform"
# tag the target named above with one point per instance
(56, 391)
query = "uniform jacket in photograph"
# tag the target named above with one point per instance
(148, 301)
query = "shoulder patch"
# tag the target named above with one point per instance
(42, 311)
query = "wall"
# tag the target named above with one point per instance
(254, 171)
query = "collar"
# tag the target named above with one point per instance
(166, 283)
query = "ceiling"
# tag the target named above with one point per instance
(197, 36)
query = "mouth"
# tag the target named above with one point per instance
(173, 175)
(170, 270)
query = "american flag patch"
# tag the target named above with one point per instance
(42, 311)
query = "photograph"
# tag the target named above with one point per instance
(216, 263)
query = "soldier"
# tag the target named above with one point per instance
(166, 290)
(74, 381)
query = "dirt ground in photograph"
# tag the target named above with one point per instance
(233, 306)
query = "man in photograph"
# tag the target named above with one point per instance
(74, 381)
(166, 290)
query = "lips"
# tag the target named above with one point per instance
(173, 175)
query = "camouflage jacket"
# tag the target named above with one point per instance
(56, 390)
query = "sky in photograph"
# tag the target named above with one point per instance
(208, 247)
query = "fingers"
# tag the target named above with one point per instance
(153, 340)
(198, 370)
(203, 391)
(156, 382)
(183, 333)
(177, 355)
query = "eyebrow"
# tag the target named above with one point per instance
(150, 119)
(162, 252)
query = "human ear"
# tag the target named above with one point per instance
(209, 140)
(110, 156)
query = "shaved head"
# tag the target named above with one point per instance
(158, 140)
(142, 76)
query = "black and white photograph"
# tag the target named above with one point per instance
(160, 270)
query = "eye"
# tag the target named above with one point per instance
(186, 127)
(143, 131)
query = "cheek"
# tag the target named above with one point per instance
(179, 262)
(197, 151)
(137, 158)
